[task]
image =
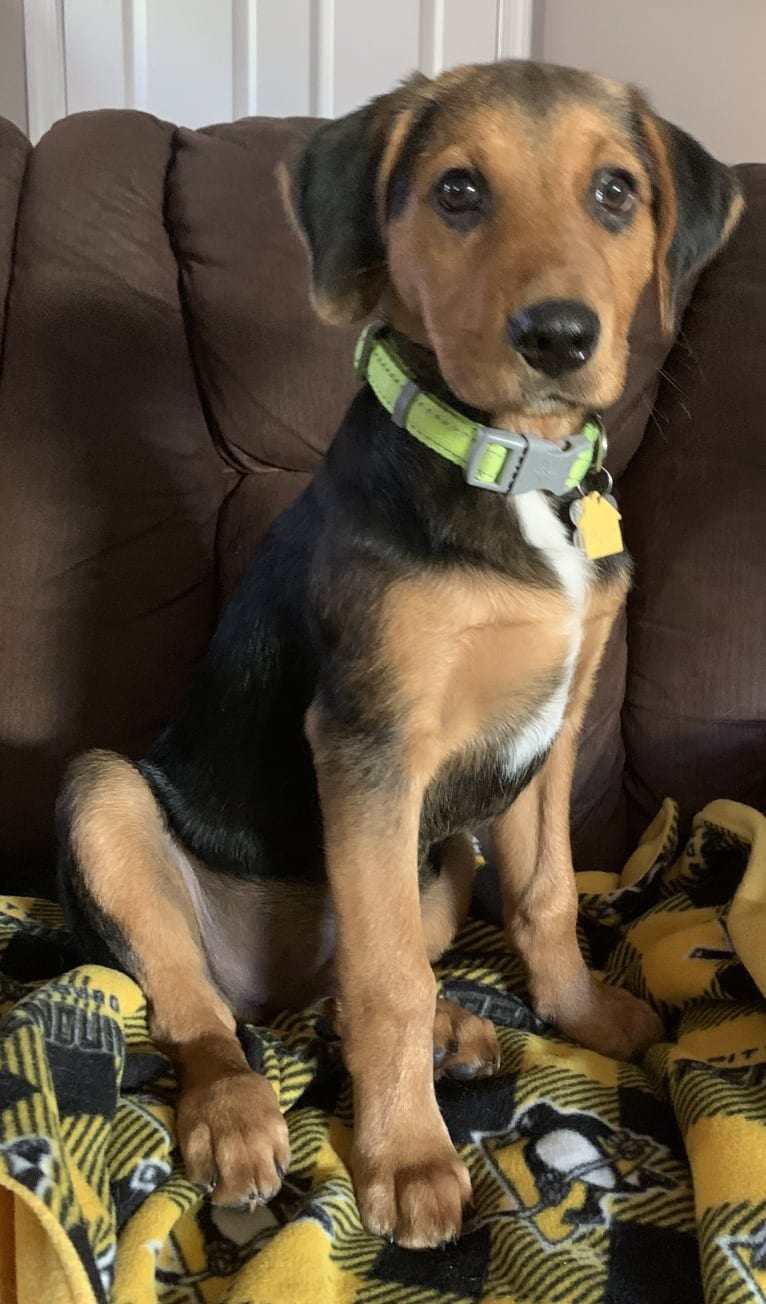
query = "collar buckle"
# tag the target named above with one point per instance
(516, 447)
(503, 461)
(529, 464)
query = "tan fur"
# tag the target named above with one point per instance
(408, 1178)
(667, 217)
(468, 1044)
(732, 219)
(462, 288)
(444, 903)
(460, 1039)
(232, 1134)
(499, 646)
(395, 138)
(533, 856)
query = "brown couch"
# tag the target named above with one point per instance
(165, 391)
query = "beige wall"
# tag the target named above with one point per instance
(702, 62)
(12, 81)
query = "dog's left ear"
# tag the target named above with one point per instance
(331, 192)
(697, 201)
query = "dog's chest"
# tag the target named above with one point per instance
(525, 660)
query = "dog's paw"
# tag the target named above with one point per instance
(465, 1046)
(414, 1193)
(233, 1139)
(613, 1022)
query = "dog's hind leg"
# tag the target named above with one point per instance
(465, 1045)
(120, 879)
(445, 901)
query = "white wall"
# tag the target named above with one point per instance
(199, 61)
(703, 62)
(202, 61)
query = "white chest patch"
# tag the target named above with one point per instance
(543, 530)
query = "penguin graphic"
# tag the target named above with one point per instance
(561, 1170)
(746, 1252)
(564, 1148)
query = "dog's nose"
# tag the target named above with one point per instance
(556, 335)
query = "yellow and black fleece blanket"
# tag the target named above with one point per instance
(593, 1181)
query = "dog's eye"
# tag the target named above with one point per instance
(614, 193)
(458, 191)
(460, 194)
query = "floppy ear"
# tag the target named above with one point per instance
(697, 203)
(331, 192)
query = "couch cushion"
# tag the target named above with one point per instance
(274, 380)
(693, 498)
(111, 486)
(599, 807)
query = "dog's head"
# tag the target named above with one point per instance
(508, 217)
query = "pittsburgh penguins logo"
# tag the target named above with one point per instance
(746, 1251)
(32, 1161)
(563, 1171)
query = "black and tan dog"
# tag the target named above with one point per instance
(410, 653)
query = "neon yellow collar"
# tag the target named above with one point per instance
(500, 460)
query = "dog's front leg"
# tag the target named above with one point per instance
(532, 850)
(409, 1180)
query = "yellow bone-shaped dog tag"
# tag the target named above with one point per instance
(597, 522)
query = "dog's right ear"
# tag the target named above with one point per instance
(332, 193)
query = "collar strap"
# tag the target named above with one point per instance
(500, 460)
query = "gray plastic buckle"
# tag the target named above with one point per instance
(531, 463)
(516, 446)
(548, 466)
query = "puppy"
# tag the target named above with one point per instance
(411, 652)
